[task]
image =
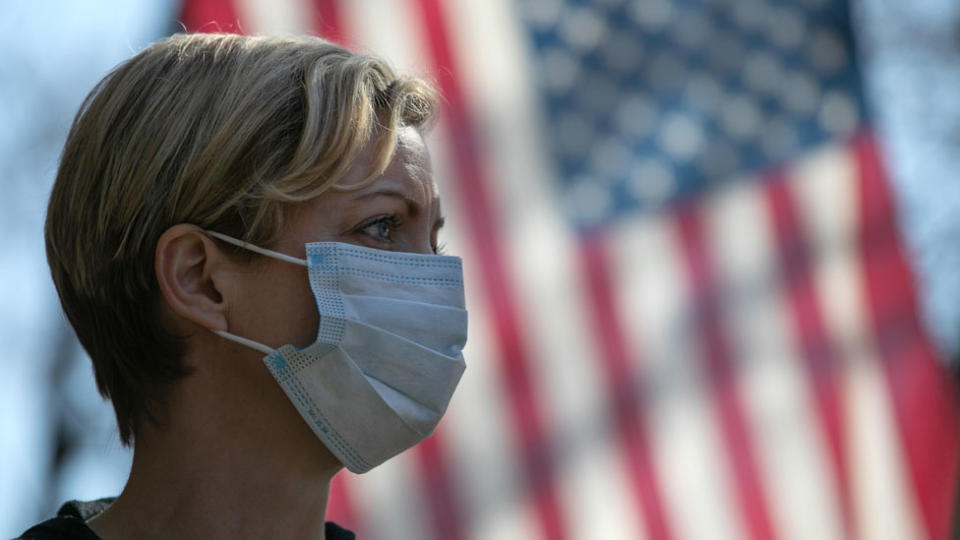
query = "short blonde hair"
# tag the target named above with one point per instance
(216, 130)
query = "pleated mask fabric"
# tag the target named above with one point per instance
(388, 354)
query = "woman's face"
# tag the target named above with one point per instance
(399, 211)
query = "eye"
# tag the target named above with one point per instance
(440, 249)
(381, 228)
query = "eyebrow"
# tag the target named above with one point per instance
(412, 206)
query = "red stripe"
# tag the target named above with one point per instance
(722, 376)
(477, 208)
(446, 516)
(923, 395)
(327, 22)
(624, 388)
(340, 507)
(210, 16)
(823, 365)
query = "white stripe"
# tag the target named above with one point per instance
(275, 17)
(685, 442)
(781, 413)
(823, 188)
(826, 193)
(884, 508)
(542, 255)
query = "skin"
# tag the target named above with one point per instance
(233, 458)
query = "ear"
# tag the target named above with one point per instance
(187, 265)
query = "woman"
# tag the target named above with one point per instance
(243, 233)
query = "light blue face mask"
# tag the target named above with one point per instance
(388, 352)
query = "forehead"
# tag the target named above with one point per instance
(409, 169)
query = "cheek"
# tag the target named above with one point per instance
(277, 307)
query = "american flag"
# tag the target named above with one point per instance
(691, 312)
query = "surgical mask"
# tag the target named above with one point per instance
(388, 352)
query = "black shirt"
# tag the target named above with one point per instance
(71, 524)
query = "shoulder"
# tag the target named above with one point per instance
(70, 523)
(336, 532)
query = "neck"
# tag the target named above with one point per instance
(218, 497)
(224, 469)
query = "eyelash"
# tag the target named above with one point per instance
(393, 223)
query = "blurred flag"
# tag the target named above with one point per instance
(691, 314)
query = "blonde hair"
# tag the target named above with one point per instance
(217, 130)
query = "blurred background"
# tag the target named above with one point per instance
(711, 247)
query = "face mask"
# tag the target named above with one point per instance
(388, 352)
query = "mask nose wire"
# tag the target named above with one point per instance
(256, 249)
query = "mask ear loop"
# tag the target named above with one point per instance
(256, 249)
(262, 251)
(244, 341)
